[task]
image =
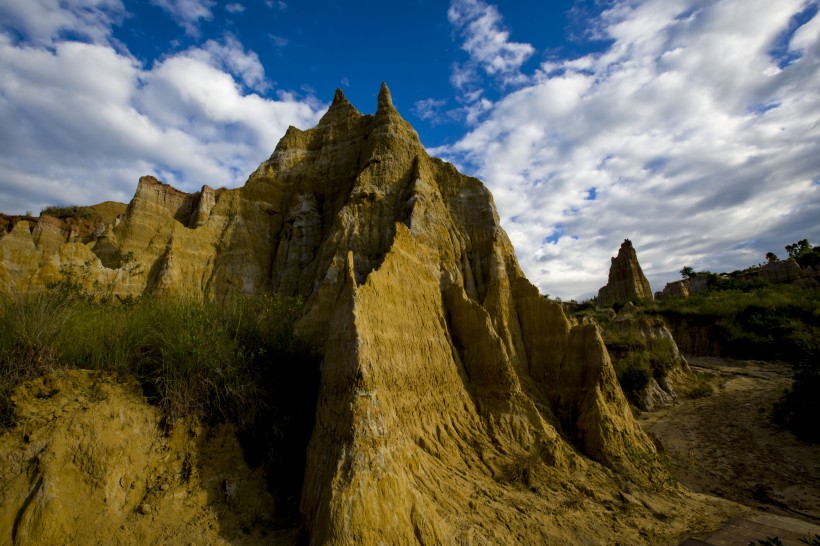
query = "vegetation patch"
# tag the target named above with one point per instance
(701, 387)
(69, 211)
(634, 374)
(772, 322)
(239, 363)
(523, 467)
(638, 358)
(30, 334)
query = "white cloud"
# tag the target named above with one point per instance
(487, 42)
(42, 21)
(80, 122)
(686, 135)
(188, 13)
(428, 109)
(231, 57)
(234, 7)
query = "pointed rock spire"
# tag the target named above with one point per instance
(626, 280)
(385, 100)
(339, 109)
(339, 97)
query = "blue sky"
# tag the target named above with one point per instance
(691, 127)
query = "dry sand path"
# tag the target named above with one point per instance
(727, 444)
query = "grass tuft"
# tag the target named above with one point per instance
(30, 328)
(193, 358)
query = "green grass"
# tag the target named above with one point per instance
(30, 330)
(69, 211)
(773, 322)
(193, 358)
(700, 388)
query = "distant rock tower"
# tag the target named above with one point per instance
(626, 280)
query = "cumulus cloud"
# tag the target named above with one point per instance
(230, 56)
(80, 122)
(487, 43)
(234, 7)
(188, 13)
(694, 134)
(42, 21)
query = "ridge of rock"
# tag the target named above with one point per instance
(626, 279)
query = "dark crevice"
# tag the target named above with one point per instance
(277, 438)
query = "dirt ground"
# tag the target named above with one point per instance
(727, 445)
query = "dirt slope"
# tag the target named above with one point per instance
(88, 463)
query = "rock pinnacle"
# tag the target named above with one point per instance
(385, 99)
(339, 97)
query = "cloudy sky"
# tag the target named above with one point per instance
(691, 127)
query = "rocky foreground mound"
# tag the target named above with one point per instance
(456, 404)
(89, 463)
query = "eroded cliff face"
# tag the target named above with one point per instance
(456, 404)
(626, 279)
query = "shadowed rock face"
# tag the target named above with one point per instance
(626, 280)
(444, 373)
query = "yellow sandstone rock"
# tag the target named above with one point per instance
(456, 405)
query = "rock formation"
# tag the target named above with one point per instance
(649, 335)
(456, 404)
(675, 289)
(774, 272)
(626, 280)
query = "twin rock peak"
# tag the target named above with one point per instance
(441, 363)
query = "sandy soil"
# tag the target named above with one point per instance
(727, 444)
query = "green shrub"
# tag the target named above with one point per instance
(634, 374)
(799, 408)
